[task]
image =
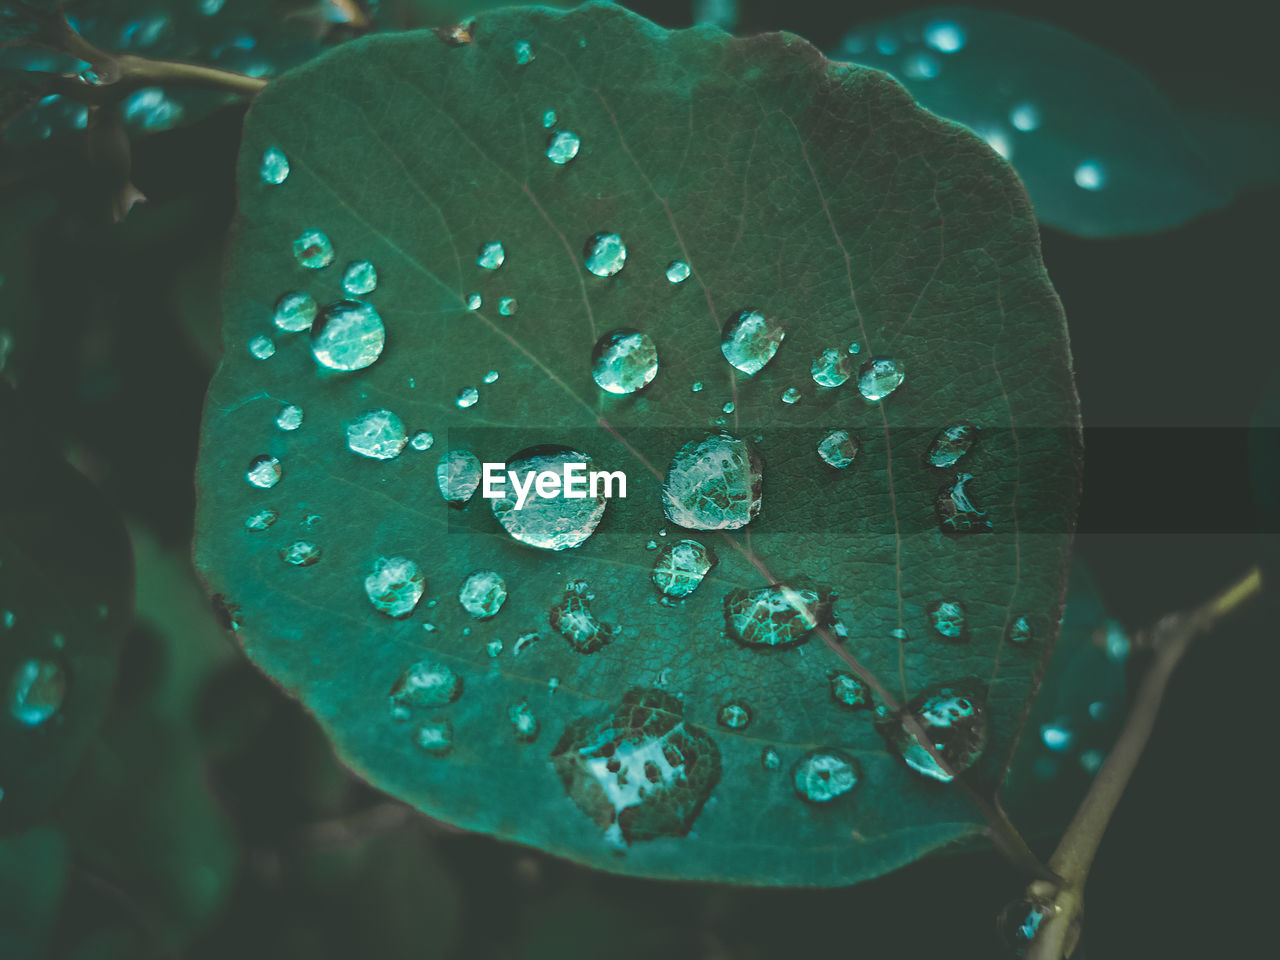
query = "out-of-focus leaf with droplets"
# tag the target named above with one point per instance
(1101, 151)
(582, 230)
(66, 598)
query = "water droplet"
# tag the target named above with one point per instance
(524, 52)
(562, 146)
(523, 721)
(549, 119)
(523, 642)
(948, 620)
(1058, 735)
(880, 377)
(264, 471)
(36, 691)
(624, 361)
(422, 440)
(728, 407)
(697, 386)
(1092, 760)
(1025, 117)
(769, 759)
(951, 444)
(295, 312)
(290, 418)
(749, 341)
(956, 513)
(680, 567)
(394, 586)
(821, 776)
(274, 167)
(348, 335)
(735, 716)
(557, 521)
(790, 395)
(1020, 631)
(640, 772)
(508, 306)
(457, 35)
(474, 301)
(313, 250)
(838, 449)
(944, 36)
(778, 615)
(552, 684)
(458, 476)
(360, 278)
(482, 594)
(261, 348)
(831, 368)
(848, 691)
(1090, 175)
(493, 648)
(605, 254)
(678, 271)
(920, 66)
(1020, 921)
(260, 520)
(952, 717)
(425, 684)
(467, 397)
(713, 484)
(436, 738)
(378, 435)
(8, 619)
(301, 553)
(572, 618)
(854, 347)
(491, 376)
(492, 255)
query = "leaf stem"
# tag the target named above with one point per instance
(1170, 638)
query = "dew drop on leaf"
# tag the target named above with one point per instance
(264, 472)
(572, 618)
(1020, 632)
(458, 476)
(879, 377)
(555, 522)
(467, 397)
(779, 615)
(734, 716)
(426, 684)
(831, 368)
(261, 348)
(838, 449)
(301, 553)
(378, 435)
(1025, 117)
(1090, 175)
(508, 306)
(680, 567)
(713, 484)
(945, 36)
(295, 312)
(624, 361)
(605, 254)
(562, 146)
(360, 278)
(474, 301)
(956, 513)
(422, 440)
(678, 271)
(523, 722)
(36, 691)
(790, 396)
(523, 52)
(849, 692)
(482, 594)
(549, 119)
(947, 617)
(394, 586)
(289, 418)
(769, 759)
(491, 377)
(492, 255)
(952, 717)
(951, 444)
(697, 386)
(260, 520)
(821, 776)
(749, 341)
(436, 738)
(348, 335)
(313, 250)
(274, 168)
(493, 648)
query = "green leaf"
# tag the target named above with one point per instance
(1102, 152)
(815, 193)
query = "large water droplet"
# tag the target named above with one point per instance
(562, 146)
(313, 250)
(378, 435)
(956, 513)
(36, 691)
(360, 278)
(680, 567)
(555, 521)
(713, 484)
(678, 271)
(290, 418)
(295, 312)
(952, 716)
(301, 553)
(831, 368)
(951, 444)
(523, 721)
(838, 449)
(605, 254)
(482, 594)
(776, 616)
(640, 772)
(492, 255)
(274, 167)
(436, 738)
(821, 776)
(880, 377)
(749, 341)
(348, 335)
(572, 618)
(734, 716)
(425, 684)
(458, 476)
(850, 692)
(264, 471)
(624, 361)
(394, 586)
(261, 348)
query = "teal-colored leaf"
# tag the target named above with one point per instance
(1101, 151)
(574, 699)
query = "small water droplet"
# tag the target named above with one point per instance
(260, 520)
(360, 278)
(1020, 632)
(947, 617)
(678, 271)
(848, 691)
(274, 167)
(301, 553)
(555, 521)
(295, 312)
(680, 567)
(821, 776)
(458, 476)
(491, 376)
(1019, 923)
(728, 407)
(394, 586)
(523, 721)
(264, 472)
(945, 36)
(467, 397)
(952, 716)
(1025, 117)
(951, 444)
(562, 146)
(1090, 175)
(492, 255)
(749, 341)
(553, 684)
(425, 684)
(776, 616)
(348, 335)
(1092, 760)
(838, 449)
(523, 642)
(854, 347)
(8, 619)
(1058, 735)
(436, 738)
(36, 691)
(378, 435)
(493, 648)
(769, 759)
(624, 361)
(956, 513)
(879, 377)
(572, 618)
(697, 386)
(605, 254)
(482, 594)
(508, 306)
(523, 52)
(831, 368)
(313, 250)
(713, 484)
(290, 418)
(790, 395)
(549, 119)
(474, 301)
(735, 716)
(422, 440)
